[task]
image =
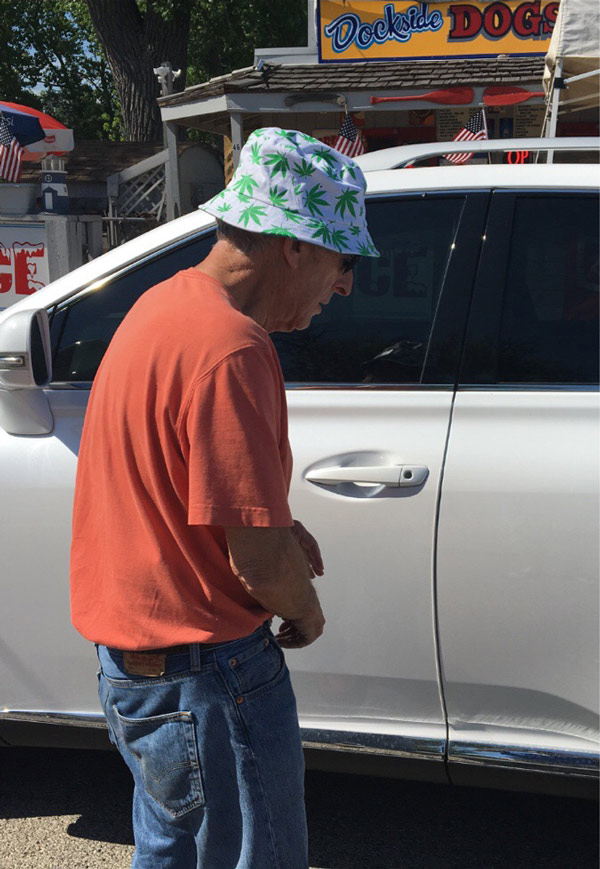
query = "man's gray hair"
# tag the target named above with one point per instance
(245, 241)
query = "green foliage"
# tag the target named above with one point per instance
(224, 33)
(52, 61)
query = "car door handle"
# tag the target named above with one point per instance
(377, 475)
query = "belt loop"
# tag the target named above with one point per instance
(196, 657)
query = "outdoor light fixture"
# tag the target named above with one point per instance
(318, 97)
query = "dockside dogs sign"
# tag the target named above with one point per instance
(359, 30)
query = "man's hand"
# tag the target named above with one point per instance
(297, 633)
(310, 548)
(275, 566)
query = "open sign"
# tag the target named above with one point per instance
(516, 157)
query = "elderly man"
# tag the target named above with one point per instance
(184, 547)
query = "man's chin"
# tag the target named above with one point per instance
(299, 325)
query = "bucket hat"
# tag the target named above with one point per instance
(290, 184)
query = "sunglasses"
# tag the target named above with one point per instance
(348, 262)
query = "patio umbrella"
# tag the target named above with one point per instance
(55, 138)
(25, 128)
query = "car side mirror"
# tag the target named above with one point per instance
(25, 367)
(25, 351)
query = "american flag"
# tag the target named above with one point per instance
(473, 130)
(11, 153)
(349, 140)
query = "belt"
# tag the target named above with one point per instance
(169, 650)
(152, 662)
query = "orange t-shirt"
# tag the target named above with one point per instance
(185, 432)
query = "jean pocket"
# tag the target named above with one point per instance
(164, 747)
(259, 667)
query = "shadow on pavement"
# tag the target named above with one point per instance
(389, 824)
(354, 822)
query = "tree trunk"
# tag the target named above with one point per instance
(136, 42)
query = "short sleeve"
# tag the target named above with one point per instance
(234, 440)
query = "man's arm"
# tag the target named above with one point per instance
(272, 567)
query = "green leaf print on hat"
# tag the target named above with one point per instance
(313, 198)
(338, 237)
(327, 155)
(289, 184)
(292, 215)
(304, 169)
(280, 230)
(245, 183)
(278, 197)
(255, 153)
(321, 230)
(278, 163)
(346, 200)
(254, 212)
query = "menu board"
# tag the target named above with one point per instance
(529, 121)
(450, 121)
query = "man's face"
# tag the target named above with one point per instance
(320, 274)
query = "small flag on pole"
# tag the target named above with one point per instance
(11, 153)
(349, 140)
(474, 129)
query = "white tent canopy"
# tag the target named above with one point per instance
(572, 73)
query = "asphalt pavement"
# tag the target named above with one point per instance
(68, 809)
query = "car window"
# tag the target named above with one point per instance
(380, 333)
(82, 329)
(549, 326)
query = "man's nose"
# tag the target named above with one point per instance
(343, 284)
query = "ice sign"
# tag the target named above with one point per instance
(23, 261)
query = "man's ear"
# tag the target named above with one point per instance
(291, 252)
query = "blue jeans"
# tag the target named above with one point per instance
(214, 749)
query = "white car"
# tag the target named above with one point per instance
(444, 425)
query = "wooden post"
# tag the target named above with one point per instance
(227, 159)
(237, 137)
(172, 173)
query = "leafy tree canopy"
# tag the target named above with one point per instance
(53, 58)
(52, 61)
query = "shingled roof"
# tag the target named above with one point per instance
(92, 160)
(365, 76)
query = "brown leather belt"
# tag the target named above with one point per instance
(171, 650)
(153, 662)
(168, 650)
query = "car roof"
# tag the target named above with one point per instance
(557, 176)
(402, 155)
(484, 177)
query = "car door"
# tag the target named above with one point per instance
(518, 536)
(45, 664)
(370, 388)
